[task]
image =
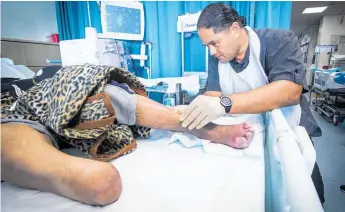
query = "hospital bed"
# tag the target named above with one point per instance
(327, 84)
(273, 174)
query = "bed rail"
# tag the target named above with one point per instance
(298, 191)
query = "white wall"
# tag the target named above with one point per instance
(312, 32)
(28, 20)
(329, 25)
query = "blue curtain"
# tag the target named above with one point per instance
(161, 30)
(161, 18)
(194, 51)
(272, 14)
(72, 18)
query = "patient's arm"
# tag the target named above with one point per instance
(154, 115)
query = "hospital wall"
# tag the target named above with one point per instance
(329, 25)
(28, 20)
(312, 32)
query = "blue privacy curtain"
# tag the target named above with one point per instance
(161, 29)
(272, 14)
(194, 51)
(72, 18)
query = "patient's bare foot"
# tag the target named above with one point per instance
(238, 136)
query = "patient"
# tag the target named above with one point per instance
(28, 158)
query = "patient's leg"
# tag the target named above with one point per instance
(154, 115)
(28, 159)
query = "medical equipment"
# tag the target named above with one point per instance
(142, 57)
(101, 51)
(324, 79)
(321, 49)
(169, 100)
(327, 84)
(171, 97)
(190, 86)
(179, 94)
(185, 23)
(338, 60)
(175, 178)
(122, 20)
(177, 98)
(92, 51)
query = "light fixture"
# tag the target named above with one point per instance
(314, 10)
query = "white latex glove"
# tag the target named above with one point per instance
(201, 111)
(179, 109)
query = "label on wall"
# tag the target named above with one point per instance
(334, 39)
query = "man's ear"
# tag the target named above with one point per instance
(235, 29)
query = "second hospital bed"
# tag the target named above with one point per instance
(273, 174)
(327, 84)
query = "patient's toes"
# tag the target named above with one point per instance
(239, 143)
(249, 136)
(246, 126)
(249, 133)
(243, 137)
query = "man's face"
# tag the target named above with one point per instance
(223, 45)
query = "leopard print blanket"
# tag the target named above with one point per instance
(74, 105)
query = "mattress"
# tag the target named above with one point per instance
(324, 80)
(165, 176)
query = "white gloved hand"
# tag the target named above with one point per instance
(179, 109)
(201, 111)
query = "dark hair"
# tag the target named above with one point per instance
(219, 17)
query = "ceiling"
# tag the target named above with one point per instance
(300, 22)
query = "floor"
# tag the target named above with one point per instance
(330, 149)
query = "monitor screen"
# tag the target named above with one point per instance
(122, 20)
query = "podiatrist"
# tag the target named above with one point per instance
(250, 72)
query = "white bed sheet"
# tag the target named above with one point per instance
(166, 177)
